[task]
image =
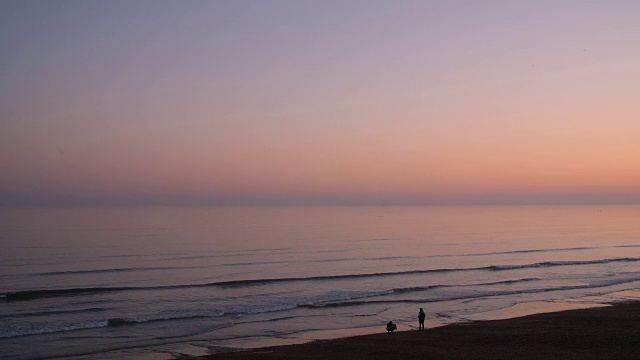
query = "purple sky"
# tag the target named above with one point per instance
(319, 102)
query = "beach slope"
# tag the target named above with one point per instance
(611, 332)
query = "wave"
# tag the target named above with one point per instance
(476, 294)
(52, 312)
(16, 330)
(510, 252)
(386, 258)
(348, 297)
(22, 329)
(50, 328)
(331, 299)
(529, 251)
(99, 271)
(256, 263)
(561, 263)
(177, 315)
(231, 254)
(430, 287)
(250, 282)
(48, 293)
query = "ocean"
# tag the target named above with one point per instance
(157, 283)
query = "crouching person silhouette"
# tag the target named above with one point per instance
(391, 327)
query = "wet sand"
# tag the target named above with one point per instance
(611, 332)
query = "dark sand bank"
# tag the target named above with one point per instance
(611, 332)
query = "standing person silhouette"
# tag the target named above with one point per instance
(421, 317)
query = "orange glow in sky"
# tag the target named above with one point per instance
(319, 102)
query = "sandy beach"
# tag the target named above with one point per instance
(611, 332)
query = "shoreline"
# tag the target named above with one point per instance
(588, 333)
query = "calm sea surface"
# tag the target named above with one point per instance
(152, 283)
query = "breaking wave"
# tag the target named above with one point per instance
(330, 299)
(49, 293)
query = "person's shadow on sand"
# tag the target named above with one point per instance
(391, 327)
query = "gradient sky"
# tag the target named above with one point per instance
(319, 102)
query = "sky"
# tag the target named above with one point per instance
(319, 102)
